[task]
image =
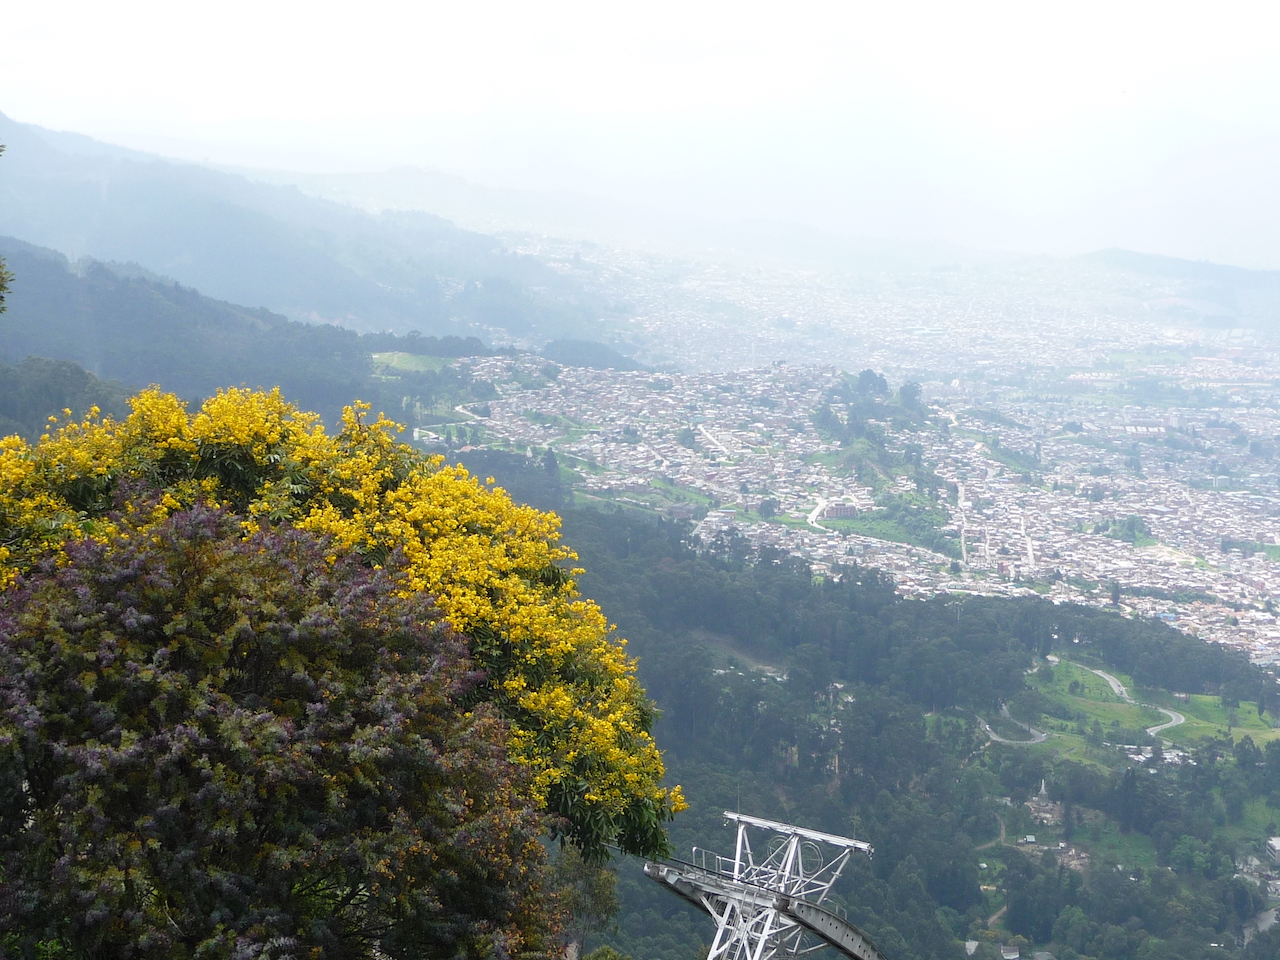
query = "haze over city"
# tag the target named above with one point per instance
(1028, 128)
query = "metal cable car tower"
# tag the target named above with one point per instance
(770, 906)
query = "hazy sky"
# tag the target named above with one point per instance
(1034, 126)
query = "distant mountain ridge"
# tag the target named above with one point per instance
(586, 353)
(560, 213)
(274, 247)
(1213, 293)
(1159, 265)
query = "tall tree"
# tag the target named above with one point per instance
(589, 896)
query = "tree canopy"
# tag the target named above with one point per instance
(213, 745)
(578, 720)
(36, 386)
(140, 329)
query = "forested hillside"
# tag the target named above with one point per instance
(37, 389)
(124, 324)
(272, 247)
(850, 709)
(845, 707)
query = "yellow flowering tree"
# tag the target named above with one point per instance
(579, 719)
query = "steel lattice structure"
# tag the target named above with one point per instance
(769, 905)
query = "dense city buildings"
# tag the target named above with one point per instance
(1075, 441)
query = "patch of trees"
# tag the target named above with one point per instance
(37, 389)
(425, 346)
(587, 353)
(867, 397)
(140, 329)
(532, 480)
(907, 519)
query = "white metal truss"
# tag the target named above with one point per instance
(766, 900)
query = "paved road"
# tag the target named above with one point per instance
(815, 513)
(1118, 688)
(1175, 718)
(711, 438)
(1037, 736)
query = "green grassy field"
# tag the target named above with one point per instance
(1070, 746)
(1090, 685)
(1111, 846)
(1093, 698)
(1252, 829)
(410, 361)
(1084, 692)
(1206, 717)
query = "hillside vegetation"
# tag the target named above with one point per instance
(843, 706)
(139, 329)
(37, 388)
(848, 708)
(273, 247)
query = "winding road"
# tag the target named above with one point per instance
(1175, 718)
(999, 839)
(1037, 736)
(815, 513)
(1119, 690)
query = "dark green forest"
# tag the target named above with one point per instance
(844, 744)
(873, 734)
(37, 388)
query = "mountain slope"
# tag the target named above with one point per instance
(1196, 290)
(37, 389)
(123, 323)
(272, 246)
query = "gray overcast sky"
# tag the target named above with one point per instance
(1058, 127)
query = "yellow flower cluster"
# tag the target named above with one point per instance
(579, 717)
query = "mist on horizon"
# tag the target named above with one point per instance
(1150, 127)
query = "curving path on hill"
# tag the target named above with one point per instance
(997, 840)
(1175, 718)
(1037, 736)
(1118, 688)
